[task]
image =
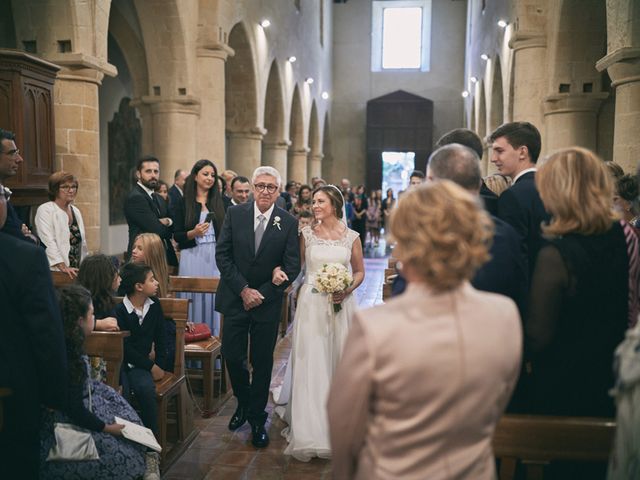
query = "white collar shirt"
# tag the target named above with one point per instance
(257, 213)
(515, 179)
(141, 314)
(149, 191)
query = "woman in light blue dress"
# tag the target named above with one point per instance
(197, 224)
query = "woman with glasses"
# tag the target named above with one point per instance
(60, 227)
(198, 221)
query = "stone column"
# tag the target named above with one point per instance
(530, 81)
(174, 123)
(571, 119)
(297, 164)
(623, 66)
(245, 151)
(78, 140)
(211, 90)
(275, 155)
(315, 165)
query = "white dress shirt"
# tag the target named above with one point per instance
(257, 213)
(515, 179)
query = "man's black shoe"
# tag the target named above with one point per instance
(259, 437)
(238, 419)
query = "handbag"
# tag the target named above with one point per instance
(73, 443)
(201, 331)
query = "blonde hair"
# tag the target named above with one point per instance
(576, 189)
(442, 232)
(156, 258)
(497, 183)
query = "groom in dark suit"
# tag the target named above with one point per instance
(256, 237)
(142, 208)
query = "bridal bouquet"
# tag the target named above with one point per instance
(332, 278)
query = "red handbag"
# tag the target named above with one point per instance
(201, 331)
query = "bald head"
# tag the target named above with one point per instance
(457, 163)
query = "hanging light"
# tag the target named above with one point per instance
(484, 57)
(292, 59)
(265, 23)
(502, 23)
(308, 80)
(325, 95)
(474, 79)
(465, 94)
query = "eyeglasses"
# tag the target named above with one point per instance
(269, 187)
(68, 188)
(12, 153)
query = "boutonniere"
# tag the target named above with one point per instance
(276, 222)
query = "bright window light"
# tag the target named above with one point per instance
(401, 37)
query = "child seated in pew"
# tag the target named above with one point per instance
(119, 458)
(140, 313)
(99, 274)
(149, 249)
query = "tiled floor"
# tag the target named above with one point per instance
(218, 453)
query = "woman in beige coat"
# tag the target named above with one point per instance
(424, 378)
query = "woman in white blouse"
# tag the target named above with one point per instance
(60, 227)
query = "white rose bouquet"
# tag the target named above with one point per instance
(332, 278)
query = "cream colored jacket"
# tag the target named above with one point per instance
(52, 226)
(421, 385)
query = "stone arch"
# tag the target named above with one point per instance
(472, 119)
(275, 143)
(297, 156)
(577, 40)
(244, 152)
(314, 162)
(327, 160)
(496, 112)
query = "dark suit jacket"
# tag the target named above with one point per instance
(239, 266)
(13, 225)
(226, 202)
(33, 358)
(521, 207)
(142, 215)
(180, 228)
(505, 273)
(490, 199)
(175, 197)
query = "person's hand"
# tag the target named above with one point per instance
(114, 429)
(279, 277)
(190, 327)
(166, 221)
(72, 272)
(251, 298)
(338, 297)
(200, 229)
(109, 324)
(157, 373)
(25, 230)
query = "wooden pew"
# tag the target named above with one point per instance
(110, 347)
(206, 351)
(537, 440)
(61, 279)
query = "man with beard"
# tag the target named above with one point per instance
(142, 210)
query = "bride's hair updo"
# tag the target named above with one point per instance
(335, 197)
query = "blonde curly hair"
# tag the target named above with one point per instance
(576, 189)
(442, 232)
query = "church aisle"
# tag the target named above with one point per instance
(218, 454)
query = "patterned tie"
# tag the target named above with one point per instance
(260, 231)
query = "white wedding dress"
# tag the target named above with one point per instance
(318, 337)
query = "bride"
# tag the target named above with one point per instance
(318, 332)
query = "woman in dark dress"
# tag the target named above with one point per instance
(583, 290)
(359, 221)
(91, 405)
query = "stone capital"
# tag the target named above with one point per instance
(622, 65)
(216, 50)
(278, 145)
(76, 63)
(522, 39)
(576, 102)
(255, 133)
(300, 151)
(188, 104)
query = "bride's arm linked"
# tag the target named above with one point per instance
(278, 276)
(357, 267)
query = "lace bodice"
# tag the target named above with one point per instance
(319, 251)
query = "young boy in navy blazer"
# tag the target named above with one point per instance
(141, 314)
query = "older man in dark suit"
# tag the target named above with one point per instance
(256, 237)
(176, 192)
(515, 150)
(33, 365)
(142, 209)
